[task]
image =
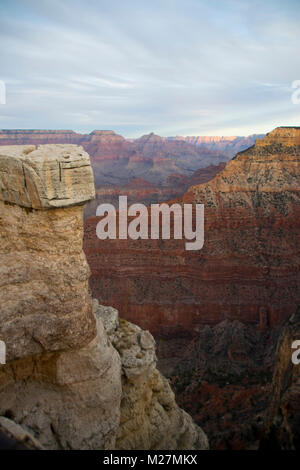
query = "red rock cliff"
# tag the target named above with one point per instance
(249, 267)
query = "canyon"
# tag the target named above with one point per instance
(141, 191)
(76, 375)
(116, 160)
(251, 233)
(149, 169)
(223, 317)
(216, 314)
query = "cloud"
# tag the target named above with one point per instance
(168, 66)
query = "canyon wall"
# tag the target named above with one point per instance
(141, 191)
(76, 377)
(248, 269)
(216, 313)
(39, 137)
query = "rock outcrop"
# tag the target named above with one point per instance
(68, 382)
(45, 177)
(44, 296)
(150, 417)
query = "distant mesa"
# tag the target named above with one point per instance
(105, 132)
(116, 160)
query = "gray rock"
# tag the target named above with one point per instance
(108, 315)
(45, 177)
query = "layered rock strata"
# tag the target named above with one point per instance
(249, 267)
(216, 313)
(142, 192)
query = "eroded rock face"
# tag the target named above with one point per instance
(45, 302)
(65, 381)
(45, 177)
(67, 400)
(150, 417)
(62, 378)
(107, 395)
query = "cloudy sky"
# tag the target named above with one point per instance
(175, 67)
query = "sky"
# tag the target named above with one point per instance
(173, 67)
